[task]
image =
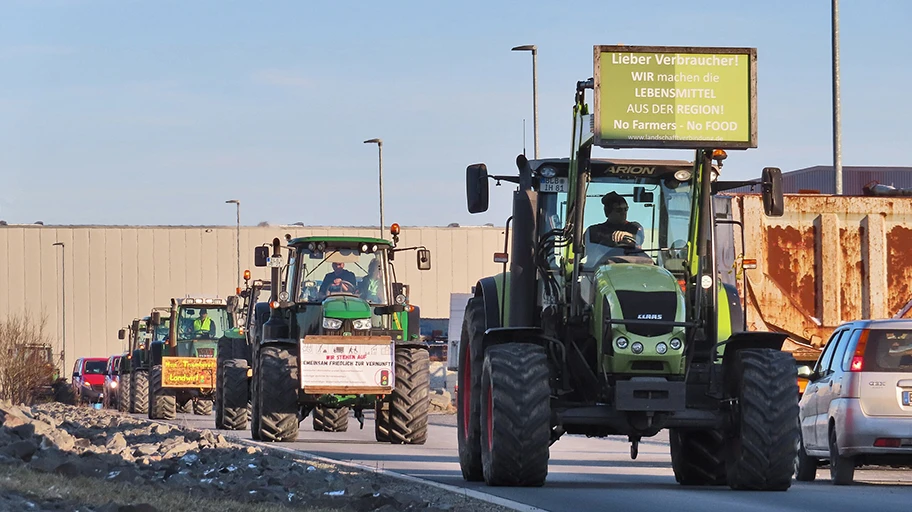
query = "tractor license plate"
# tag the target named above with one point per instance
(554, 185)
(906, 398)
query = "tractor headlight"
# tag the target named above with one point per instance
(661, 347)
(86, 384)
(621, 343)
(362, 323)
(400, 299)
(113, 383)
(675, 344)
(332, 323)
(636, 348)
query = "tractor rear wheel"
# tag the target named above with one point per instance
(139, 390)
(277, 393)
(515, 415)
(202, 407)
(162, 402)
(411, 399)
(698, 456)
(234, 395)
(330, 419)
(468, 398)
(764, 438)
(124, 399)
(382, 421)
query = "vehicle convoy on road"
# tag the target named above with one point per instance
(183, 362)
(857, 407)
(339, 334)
(134, 369)
(612, 319)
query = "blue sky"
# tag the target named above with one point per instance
(127, 112)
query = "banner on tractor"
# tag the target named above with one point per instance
(347, 365)
(675, 97)
(188, 372)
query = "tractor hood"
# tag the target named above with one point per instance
(640, 292)
(345, 307)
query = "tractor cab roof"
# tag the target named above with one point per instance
(619, 168)
(339, 240)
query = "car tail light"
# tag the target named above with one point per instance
(887, 442)
(858, 359)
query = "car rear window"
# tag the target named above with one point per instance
(95, 366)
(889, 351)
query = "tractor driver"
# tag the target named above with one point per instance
(615, 232)
(339, 280)
(204, 326)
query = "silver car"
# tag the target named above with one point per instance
(856, 409)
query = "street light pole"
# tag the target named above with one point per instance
(532, 48)
(63, 300)
(237, 239)
(379, 144)
(837, 117)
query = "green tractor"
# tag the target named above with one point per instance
(134, 369)
(340, 334)
(234, 360)
(183, 361)
(612, 320)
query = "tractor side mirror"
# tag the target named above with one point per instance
(260, 256)
(771, 182)
(640, 195)
(477, 188)
(424, 259)
(156, 318)
(121, 334)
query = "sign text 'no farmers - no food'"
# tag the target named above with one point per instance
(667, 97)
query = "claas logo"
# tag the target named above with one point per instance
(384, 377)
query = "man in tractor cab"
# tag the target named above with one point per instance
(615, 234)
(339, 280)
(204, 326)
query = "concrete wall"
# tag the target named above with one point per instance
(116, 273)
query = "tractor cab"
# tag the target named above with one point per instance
(197, 324)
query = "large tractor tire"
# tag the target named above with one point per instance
(698, 456)
(233, 399)
(162, 402)
(186, 407)
(139, 391)
(219, 405)
(124, 398)
(277, 393)
(330, 419)
(411, 396)
(202, 407)
(516, 414)
(468, 398)
(382, 421)
(764, 437)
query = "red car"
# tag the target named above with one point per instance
(88, 379)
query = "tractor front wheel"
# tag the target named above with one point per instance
(411, 396)
(515, 415)
(330, 419)
(276, 410)
(139, 389)
(764, 437)
(468, 400)
(162, 402)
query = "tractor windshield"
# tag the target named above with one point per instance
(202, 321)
(342, 271)
(634, 220)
